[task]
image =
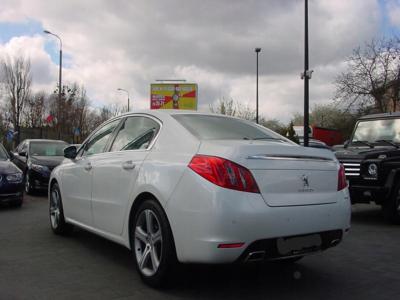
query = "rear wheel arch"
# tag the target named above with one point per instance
(139, 200)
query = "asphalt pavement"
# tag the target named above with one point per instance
(36, 264)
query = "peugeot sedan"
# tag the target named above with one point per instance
(187, 187)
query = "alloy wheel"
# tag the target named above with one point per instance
(148, 242)
(27, 183)
(55, 208)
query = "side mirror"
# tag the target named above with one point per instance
(22, 153)
(70, 152)
(346, 143)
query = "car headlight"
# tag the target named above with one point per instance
(39, 168)
(14, 177)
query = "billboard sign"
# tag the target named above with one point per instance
(173, 96)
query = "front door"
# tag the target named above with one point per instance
(78, 175)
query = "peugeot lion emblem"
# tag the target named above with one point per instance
(305, 181)
(306, 184)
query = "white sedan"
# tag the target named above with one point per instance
(179, 186)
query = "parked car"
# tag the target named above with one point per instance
(11, 185)
(328, 136)
(315, 144)
(37, 158)
(372, 162)
(178, 186)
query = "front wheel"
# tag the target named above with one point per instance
(56, 212)
(391, 206)
(29, 188)
(152, 244)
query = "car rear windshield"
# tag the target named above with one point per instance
(47, 148)
(208, 127)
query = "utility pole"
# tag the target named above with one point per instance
(257, 50)
(306, 76)
(59, 82)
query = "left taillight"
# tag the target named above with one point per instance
(342, 183)
(224, 173)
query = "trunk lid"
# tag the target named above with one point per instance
(286, 174)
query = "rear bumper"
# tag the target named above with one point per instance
(202, 216)
(268, 249)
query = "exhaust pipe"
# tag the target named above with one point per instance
(335, 242)
(255, 256)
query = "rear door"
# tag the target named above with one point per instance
(115, 172)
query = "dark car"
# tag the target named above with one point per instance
(37, 158)
(371, 159)
(11, 180)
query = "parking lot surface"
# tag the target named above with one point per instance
(36, 264)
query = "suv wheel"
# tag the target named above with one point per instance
(391, 206)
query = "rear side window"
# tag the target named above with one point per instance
(206, 127)
(98, 141)
(135, 133)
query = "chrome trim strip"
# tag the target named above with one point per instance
(351, 165)
(352, 174)
(352, 169)
(289, 157)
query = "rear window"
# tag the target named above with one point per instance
(206, 127)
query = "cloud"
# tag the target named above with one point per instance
(393, 9)
(44, 71)
(129, 44)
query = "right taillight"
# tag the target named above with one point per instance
(224, 173)
(342, 183)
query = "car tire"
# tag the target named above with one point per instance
(29, 188)
(56, 212)
(153, 245)
(391, 206)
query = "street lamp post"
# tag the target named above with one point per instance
(119, 89)
(59, 78)
(257, 50)
(306, 75)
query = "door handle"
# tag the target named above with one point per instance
(128, 165)
(88, 166)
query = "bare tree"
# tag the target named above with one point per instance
(35, 110)
(372, 77)
(16, 77)
(230, 107)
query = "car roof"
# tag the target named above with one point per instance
(381, 116)
(156, 112)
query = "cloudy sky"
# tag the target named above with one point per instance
(131, 43)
